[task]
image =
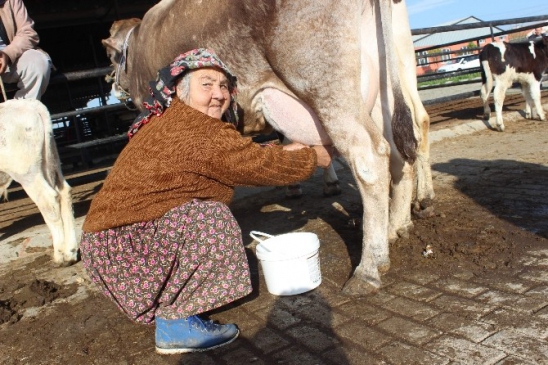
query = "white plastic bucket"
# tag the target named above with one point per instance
(290, 262)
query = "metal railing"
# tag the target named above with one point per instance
(80, 75)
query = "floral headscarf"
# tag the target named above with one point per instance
(163, 88)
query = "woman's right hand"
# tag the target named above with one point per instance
(324, 155)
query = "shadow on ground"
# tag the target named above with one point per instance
(511, 190)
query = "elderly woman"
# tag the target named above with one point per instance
(159, 238)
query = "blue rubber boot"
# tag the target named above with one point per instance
(177, 336)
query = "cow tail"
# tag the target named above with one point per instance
(51, 165)
(402, 119)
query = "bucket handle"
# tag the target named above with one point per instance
(255, 234)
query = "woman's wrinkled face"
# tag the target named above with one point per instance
(208, 92)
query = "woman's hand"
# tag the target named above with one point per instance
(324, 155)
(293, 146)
(4, 62)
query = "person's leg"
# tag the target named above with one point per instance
(188, 262)
(214, 269)
(31, 72)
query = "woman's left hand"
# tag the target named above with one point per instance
(293, 146)
(324, 155)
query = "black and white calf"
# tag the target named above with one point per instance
(510, 62)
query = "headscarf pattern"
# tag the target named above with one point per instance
(162, 90)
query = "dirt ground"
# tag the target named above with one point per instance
(491, 205)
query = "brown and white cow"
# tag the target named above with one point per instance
(28, 155)
(510, 62)
(318, 72)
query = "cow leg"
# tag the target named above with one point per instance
(423, 202)
(70, 248)
(534, 91)
(331, 185)
(401, 182)
(423, 187)
(498, 95)
(529, 104)
(484, 93)
(49, 204)
(401, 192)
(423, 205)
(5, 181)
(485, 90)
(368, 157)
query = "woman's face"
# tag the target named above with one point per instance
(208, 92)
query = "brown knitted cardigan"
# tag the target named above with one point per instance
(184, 155)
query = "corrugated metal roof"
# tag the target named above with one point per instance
(425, 40)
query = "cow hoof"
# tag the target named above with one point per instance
(293, 192)
(426, 203)
(425, 213)
(403, 232)
(384, 268)
(331, 189)
(486, 117)
(63, 264)
(355, 287)
(423, 209)
(62, 260)
(500, 128)
(66, 263)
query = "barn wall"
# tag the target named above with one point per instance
(71, 32)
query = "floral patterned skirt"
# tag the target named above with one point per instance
(189, 261)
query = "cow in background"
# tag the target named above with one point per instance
(317, 72)
(28, 155)
(506, 63)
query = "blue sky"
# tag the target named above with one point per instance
(430, 13)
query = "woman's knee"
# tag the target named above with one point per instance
(34, 62)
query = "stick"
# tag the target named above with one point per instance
(3, 90)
